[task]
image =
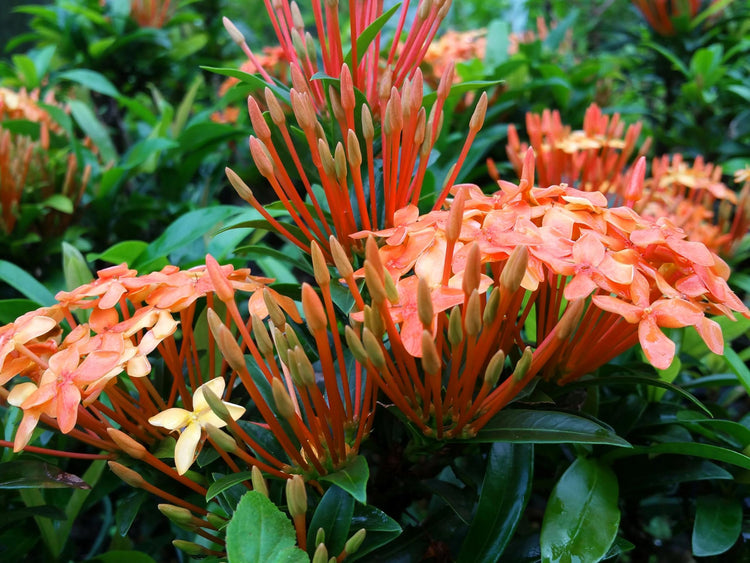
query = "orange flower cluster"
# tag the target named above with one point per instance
(454, 46)
(130, 318)
(26, 169)
(350, 202)
(596, 280)
(691, 196)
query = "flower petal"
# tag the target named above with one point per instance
(216, 385)
(184, 449)
(172, 419)
(658, 348)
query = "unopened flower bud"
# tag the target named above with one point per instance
(477, 118)
(320, 268)
(282, 346)
(368, 130)
(523, 365)
(374, 321)
(190, 548)
(472, 270)
(281, 398)
(335, 99)
(261, 157)
(226, 342)
(355, 542)
(569, 321)
(515, 269)
(347, 89)
(274, 311)
(177, 514)
(320, 536)
(262, 338)
(373, 348)
(315, 313)
(239, 186)
(321, 554)
(494, 369)
(259, 483)
(374, 284)
(127, 444)
(473, 316)
(343, 265)
(296, 496)
(352, 150)
(391, 291)
(491, 307)
(222, 440)
(355, 345)
(431, 362)
(455, 215)
(216, 521)
(234, 33)
(128, 475)
(274, 107)
(304, 366)
(216, 404)
(260, 127)
(455, 329)
(339, 161)
(425, 310)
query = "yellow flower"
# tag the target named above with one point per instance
(190, 424)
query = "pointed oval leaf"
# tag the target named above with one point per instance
(259, 531)
(334, 516)
(582, 517)
(549, 427)
(381, 529)
(224, 483)
(353, 478)
(718, 523)
(505, 492)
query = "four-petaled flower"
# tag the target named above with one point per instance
(190, 424)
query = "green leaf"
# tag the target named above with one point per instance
(369, 33)
(60, 203)
(256, 82)
(353, 478)
(93, 129)
(581, 519)
(25, 284)
(334, 515)
(669, 55)
(127, 510)
(123, 556)
(505, 492)
(718, 523)
(75, 268)
(126, 251)
(706, 451)
(11, 309)
(91, 80)
(26, 70)
(665, 471)
(381, 529)
(548, 427)
(259, 531)
(31, 474)
(144, 150)
(221, 485)
(738, 367)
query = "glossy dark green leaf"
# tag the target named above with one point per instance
(126, 251)
(93, 129)
(381, 529)
(11, 309)
(505, 492)
(123, 556)
(550, 427)
(127, 510)
(666, 471)
(352, 478)
(718, 523)
(706, 451)
(256, 82)
(457, 498)
(334, 515)
(32, 474)
(582, 518)
(220, 485)
(259, 531)
(49, 512)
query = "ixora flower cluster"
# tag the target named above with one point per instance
(461, 309)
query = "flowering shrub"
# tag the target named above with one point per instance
(437, 378)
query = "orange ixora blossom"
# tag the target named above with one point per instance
(150, 13)
(595, 279)
(452, 47)
(27, 170)
(692, 196)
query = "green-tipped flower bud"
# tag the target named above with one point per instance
(455, 330)
(430, 357)
(259, 483)
(216, 404)
(473, 318)
(494, 369)
(355, 345)
(373, 347)
(523, 365)
(391, 291)
(490, 308)
(262, 339)
(355, 542)
(177, 514)
(222, 440)
(283, 401)
(274, 311)
(320, 536)
(321, 554)
(296, 496)
(191, 548)
(425, 310)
